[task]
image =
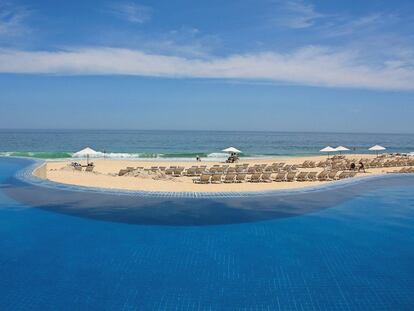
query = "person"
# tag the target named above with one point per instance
(361, 167)
(352, 166)
(198, 159)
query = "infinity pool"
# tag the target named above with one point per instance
(344, 247)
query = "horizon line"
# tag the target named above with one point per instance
(204, 130)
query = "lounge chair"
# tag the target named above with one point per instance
(190, 172)
(287, 167)
(302, 176)
(332, 175)
(290, 176)
(312, 176)
(78, 168)
(216, 179)
(203, 179)
(178, 172)
(122, 172)
(240, 177)
(281, 176)
(322, 176)
(268, 169)
(351, 174)
(343, 175)
(251, 170)
(199, 170)
(320, 164)
(266, 177)
(89, 168)
(220, 170)
(231, 170)
(275, 169)
(255, 177)
(240, 169)
(169, 171)
(229, 178)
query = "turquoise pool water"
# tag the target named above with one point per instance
(348, 247)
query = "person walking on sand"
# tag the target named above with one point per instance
(361, 167)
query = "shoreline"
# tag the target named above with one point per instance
(106, 170)
(176, 159)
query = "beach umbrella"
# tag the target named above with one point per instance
(328, 149)
(377, 148)
(231, 150)
(341, 148)
(86, 152)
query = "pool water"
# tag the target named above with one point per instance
(345, 248)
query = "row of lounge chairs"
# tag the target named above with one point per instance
(178, 171)
(379, 162)
(207, 178)
(338, 163)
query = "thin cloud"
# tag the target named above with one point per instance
(315, 66)
(187, 42)
(131, 12)
(298, 15)
(12, 19)
(345, 26)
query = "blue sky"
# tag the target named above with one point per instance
(295, 65)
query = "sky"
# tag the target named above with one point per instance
(294, 65)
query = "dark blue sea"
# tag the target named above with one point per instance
(188, 144)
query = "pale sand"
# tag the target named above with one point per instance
(55, 171)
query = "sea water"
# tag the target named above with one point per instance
(52, 144)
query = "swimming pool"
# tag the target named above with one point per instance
(345, 247)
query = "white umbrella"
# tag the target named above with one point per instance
(377, 148)
(341, 148)
(328, 149)
(231, 150)
(87, 152)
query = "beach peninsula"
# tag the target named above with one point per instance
(246, 175)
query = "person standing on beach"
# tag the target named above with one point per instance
(361, 167)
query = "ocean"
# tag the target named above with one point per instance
(162, 144)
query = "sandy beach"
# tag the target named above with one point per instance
(105, 175)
